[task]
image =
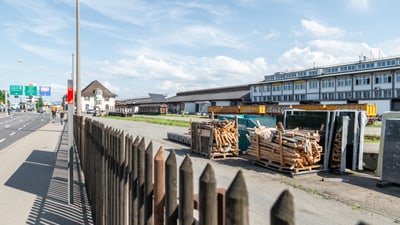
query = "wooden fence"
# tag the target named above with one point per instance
(127, 185)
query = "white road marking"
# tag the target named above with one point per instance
(12, 133)
(2, 140)
(20, 128)
(7, 126)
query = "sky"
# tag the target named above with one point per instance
(138, 47)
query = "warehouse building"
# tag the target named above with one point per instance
(373, 81)
(197, 101)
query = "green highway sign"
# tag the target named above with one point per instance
(15, 89)
(31, 90)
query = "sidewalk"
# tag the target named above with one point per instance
(34, 181)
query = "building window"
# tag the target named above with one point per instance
(362, 80)
(276, 87)
(383, 79)
(300, 86)
(387, 93)
(313, 84)
(344, 81)
(86, 98)
(398, 77)
(328, 83)
(287, 86)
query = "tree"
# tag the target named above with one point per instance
(39, 103)
(2, 96)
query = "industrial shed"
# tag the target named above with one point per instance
(194, 102)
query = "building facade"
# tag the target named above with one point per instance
(374, 81)
(97, 97)
(198, 101)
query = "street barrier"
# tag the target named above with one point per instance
(119, 171)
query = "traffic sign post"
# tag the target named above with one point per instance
(31, 90)
(16, 90)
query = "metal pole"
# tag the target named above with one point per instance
(78, 61)
(70, 147)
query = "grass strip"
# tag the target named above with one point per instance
(155, 120)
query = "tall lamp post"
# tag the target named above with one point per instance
(78, 62)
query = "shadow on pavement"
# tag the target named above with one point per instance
(45, 174)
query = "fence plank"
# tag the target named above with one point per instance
(133, 185)
(186, 192)
(282, 212)
(208, 197)
(171, 205)
(141, 149)
(148, 185)
(237, 202)
(159, 178)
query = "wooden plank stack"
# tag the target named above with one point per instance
(286, 150)
(215, 138)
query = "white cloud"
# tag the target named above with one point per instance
(270, 35)
(203, 35)
(317, 29)
(325, 53)
(51, 54)
(111, 87)
(360, 5)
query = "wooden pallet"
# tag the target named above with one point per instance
(274, 165)
(223, 155)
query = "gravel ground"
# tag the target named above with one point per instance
(320, 198)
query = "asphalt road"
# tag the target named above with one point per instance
(18, 125)
(334, 201)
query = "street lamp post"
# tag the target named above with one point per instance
(78, 62)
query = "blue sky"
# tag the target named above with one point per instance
(140, 47)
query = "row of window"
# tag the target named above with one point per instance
(336, 69)
(359, 80)
(332, 96)
(87, 98)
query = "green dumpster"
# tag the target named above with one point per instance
(248, 121)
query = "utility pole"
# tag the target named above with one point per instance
(78, 62)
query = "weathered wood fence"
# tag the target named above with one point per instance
(127, 185)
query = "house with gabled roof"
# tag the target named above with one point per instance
(97, 97)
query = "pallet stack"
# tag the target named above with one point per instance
(285, 150)
(215, 138)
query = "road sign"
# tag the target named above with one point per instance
(15, 89)
(31, 90)
(44, 91)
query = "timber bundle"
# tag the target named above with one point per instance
(225, 135)
(294, 150)
(216, 138)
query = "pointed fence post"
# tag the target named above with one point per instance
(208, 197)
(133, 186)
(159, 185)
(237, 202)
(141, 149)
(282, 212)
(148, 185)
(171, 205)
(186, 192)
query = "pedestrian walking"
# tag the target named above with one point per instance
(62, 117)
(53, 115)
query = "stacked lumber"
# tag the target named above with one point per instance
(225, 135)
(291, 149)
(216, 138)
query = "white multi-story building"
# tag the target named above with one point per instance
(97, 97)
(374, 81)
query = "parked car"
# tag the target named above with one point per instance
(90, 111)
